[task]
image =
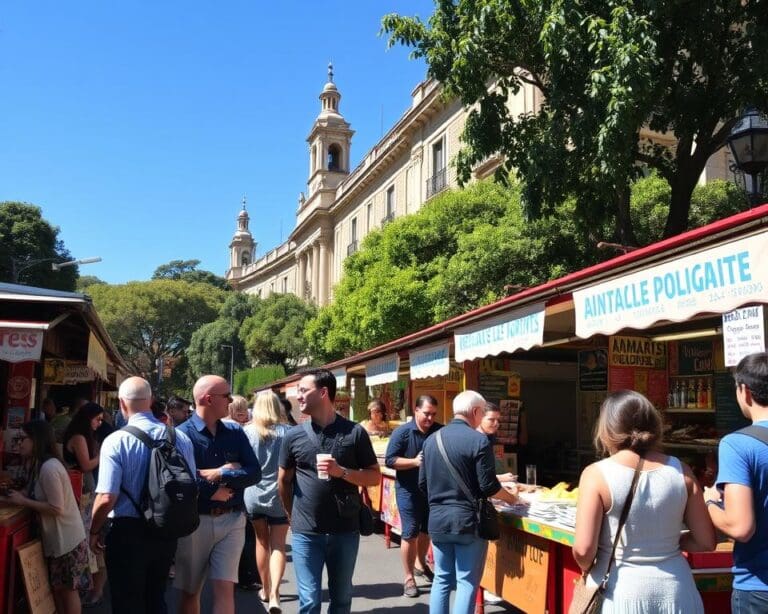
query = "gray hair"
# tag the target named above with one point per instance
(465, 401)
(135, 389)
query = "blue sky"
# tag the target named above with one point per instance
(138, 126)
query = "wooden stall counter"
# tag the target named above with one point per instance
(15, 530)
(531, 567)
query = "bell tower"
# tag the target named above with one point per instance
(242, 248)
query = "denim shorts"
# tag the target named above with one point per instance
(749, 602)
(271, 520)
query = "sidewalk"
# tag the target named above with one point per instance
(378, 587)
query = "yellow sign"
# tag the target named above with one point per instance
(516, 568)
(35, 572)
(57, 371)
(637, 352)
(97, 357)
(513, 385)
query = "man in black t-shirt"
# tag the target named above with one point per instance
(324, 513)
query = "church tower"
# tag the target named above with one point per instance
(329, 141)
(242, 248)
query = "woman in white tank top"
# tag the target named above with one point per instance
(650, 575)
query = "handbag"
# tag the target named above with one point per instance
(589, 599)
(486, 515)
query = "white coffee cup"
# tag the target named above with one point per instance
(323, 475)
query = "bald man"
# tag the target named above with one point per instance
(137, 564)
(226, 465)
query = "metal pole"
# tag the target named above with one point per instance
(231, 364)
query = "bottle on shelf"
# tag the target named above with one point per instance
(682, 397)
(672, 396)
(691, 404)
(702, 399)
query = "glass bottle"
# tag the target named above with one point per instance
(691, 395)
(702, 401)
(682, 397)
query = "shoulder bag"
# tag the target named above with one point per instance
(589, 599)
(347, 503)
(487, 518)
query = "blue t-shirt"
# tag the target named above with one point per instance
(744, 460)
(406, 442)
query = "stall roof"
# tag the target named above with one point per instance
(560, 289)
(29, 294)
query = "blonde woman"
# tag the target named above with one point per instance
(266, 432)
(238, 410)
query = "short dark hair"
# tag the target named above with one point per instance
(752, 372)
(426, 398)
(490, 407)
(177, 403)
(323, 379)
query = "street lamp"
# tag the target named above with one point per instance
(57, 266)
(231, 362)
(17, 270)
(748, 143)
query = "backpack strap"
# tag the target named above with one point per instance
(150, 443)
(757, 432)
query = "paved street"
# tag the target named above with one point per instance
(378, 587)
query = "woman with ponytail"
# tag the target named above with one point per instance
(649, 574)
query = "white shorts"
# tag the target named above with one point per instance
(213, 549)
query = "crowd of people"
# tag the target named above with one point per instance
(256, 474)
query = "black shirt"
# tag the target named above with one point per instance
(472, 457)
(314, 504)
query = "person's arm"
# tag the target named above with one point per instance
(507, 494)
(701, 534)
(249, 471)
(369, 476)
(485, 467)
(589, 518)
(737, 516)
(423, 478)
(285, 479)
(50, 484)
(78, 446)
(102, 505)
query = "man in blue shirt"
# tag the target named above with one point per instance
(226, 465)
(404, 455)
(137, 563)
(459, 551)
(742, 510)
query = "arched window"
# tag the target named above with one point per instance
(245, 259)
(313, 160)
(334, 158)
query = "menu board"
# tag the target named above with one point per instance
(728, 416)
(493, 388)
(509, 419)
(593, 369)
(743, 333)
(35, 572)
(694, 358)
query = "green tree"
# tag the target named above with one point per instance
(186, 270)
(154, 320)
(274, 334)
(28, 246)
(206, 353)
(88, 280)
(606, 69)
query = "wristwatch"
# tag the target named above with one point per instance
(344, 473)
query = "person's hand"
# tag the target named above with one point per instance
(512, 488)
(711, 494)
(232, 466)
(330, 466)
(222, 494)
(419, 459)
(507, 477)
(95, 543)
(14, 497)
(211, 475)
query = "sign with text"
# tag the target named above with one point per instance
(19, 344)
(718, 280)
(57, 371)
(518, 330)
(743, 333)
(636, 352)
(431, 361)
(694, 358)
(35, 571)
(382, 370)
(516, 568)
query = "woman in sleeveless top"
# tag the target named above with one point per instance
(650, 574)
(81, 451)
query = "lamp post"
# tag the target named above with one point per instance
(17, 270)
(748, 143)
(231, 363)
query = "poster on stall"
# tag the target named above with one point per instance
(639, 363)
(743, 333)
(593, 369)
(509, 419)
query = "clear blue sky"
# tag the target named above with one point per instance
(138, 126)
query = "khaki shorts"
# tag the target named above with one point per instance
(213, 549)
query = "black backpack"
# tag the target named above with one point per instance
(169, 498)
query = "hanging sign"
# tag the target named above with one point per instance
(518, 330)
(341, 377)
(713, 280)
(19, 344)
(431, 361)
(382, 370)
(743, 333)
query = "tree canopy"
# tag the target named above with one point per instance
(186, 270)
(154, 319)
(608, 73)
(28, 246)
(274, 333)
(467, 248)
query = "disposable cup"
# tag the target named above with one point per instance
(323, 475)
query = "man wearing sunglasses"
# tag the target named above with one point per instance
(226, 465)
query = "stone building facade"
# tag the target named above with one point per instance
(409, 165)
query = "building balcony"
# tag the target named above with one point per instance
(351, 248)
(437, 183)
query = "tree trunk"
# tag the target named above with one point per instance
(624, 229)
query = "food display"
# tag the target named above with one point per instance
(559, 493)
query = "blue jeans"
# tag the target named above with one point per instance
(336, 552)
(749, 602)
(459, 561)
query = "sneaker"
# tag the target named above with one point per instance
(491, 598)
(410, 589)
(425, 573)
